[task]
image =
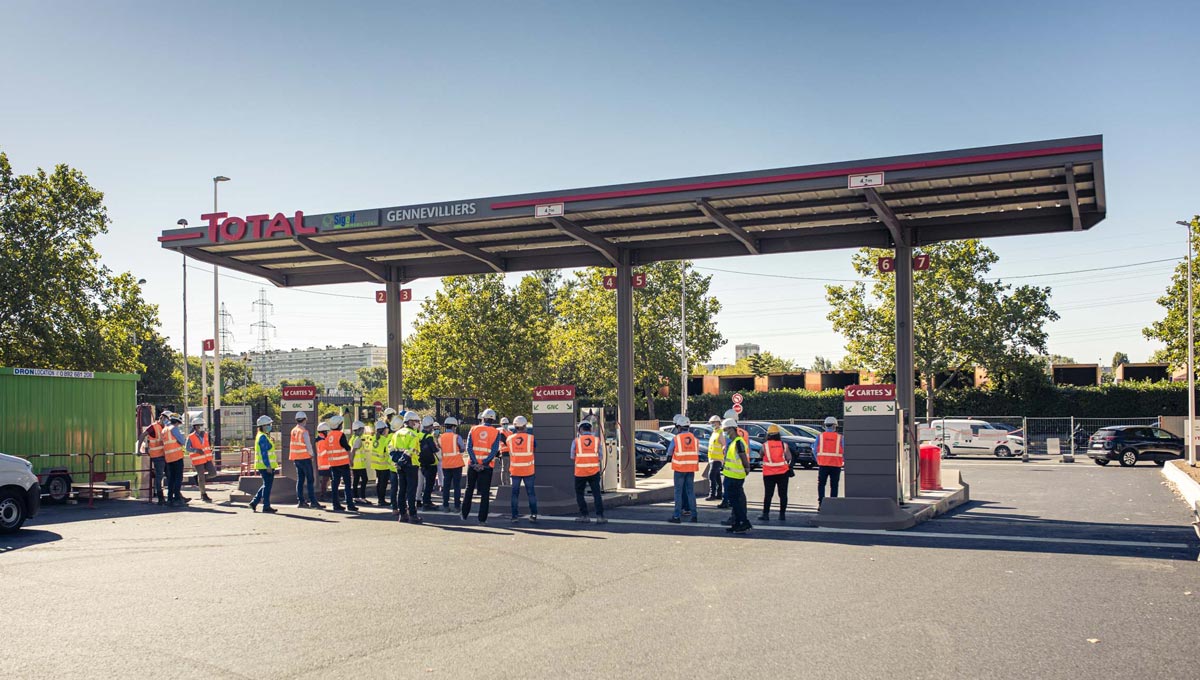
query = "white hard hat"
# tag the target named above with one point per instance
(831, 421)
(380, 424)
(323, 427)
(681, 421)
(301, 416)
(198, 420)
(728, 422)
(336, 421)
(488, 414)
(358, 425)
(428, 421)
(264, 420)
(731, 415)
(504, 421)
(451, 421)
(396, 423)
(715, 420)
(520, 421)
(389, 411)
(411, 416)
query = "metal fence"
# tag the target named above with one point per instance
(1072, 433)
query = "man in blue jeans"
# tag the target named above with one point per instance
(684, 452)
(264, 463)
(301, 452)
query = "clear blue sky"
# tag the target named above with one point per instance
(331, 106)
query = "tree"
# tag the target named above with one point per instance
(820, 363)
(162, 374)
(962, 318)
(61, 307)
(371, 378)
(1120, 358)
(1171, 330)
(235, 373)
(761, 363)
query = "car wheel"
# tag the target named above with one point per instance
(12, 511)
(808, 466)
(58, 488)
(1100, 461)
(1160, 463)
(946, 452)
(1003, 452)
(1128, 458)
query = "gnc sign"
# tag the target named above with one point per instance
(222, 227)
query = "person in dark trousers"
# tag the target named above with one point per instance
(152, 445)
(586, 452)
(716, 460)
(406, 444)
(776, 471)
(831, 449)
(337, 452)
(737, 462)
(360, 457)
(174, 445)
(264, 463)
(427, 454)
(483, 447)
(453, 449)
(381, 462)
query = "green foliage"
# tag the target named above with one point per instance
(1171, 330)
(1119, 359)
(762, 363)
(235, 373)
(963, 318)
(161, 374)
(820, 364)
(62, 308)
(372, 378)
(255, 394)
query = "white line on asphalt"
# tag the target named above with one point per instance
(896, 534)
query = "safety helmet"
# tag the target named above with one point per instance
(411, 416)
(380, 424)
(731, 414)
(301, 416)
(831, 422)
(198, 420)
(488, 414)
(264, 420)
(715, 420)
(358, 425)
(773, 429)
(428, 421)
(389, 411)
(323, 427)
(176, 418)
(336, 421)
(520, 421)
(585, 425)
(504, 420)
(728, 423)
(451, 421)
(681, 420)
(396, 423)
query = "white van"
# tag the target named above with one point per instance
(20, 493)
(970, 437)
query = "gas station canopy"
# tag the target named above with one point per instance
(1035, 187)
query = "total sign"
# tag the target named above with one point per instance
(870, 400)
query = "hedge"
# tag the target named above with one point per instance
(1126, 400)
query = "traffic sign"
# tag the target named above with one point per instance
(737, 408)
(378, 404)
(548, 210)
(737, 397)
(209, 345)
(870, 179)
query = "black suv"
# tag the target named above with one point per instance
(1127, 444)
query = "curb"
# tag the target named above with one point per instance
(1183, 483)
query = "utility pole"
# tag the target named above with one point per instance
(217, 314)
(1191, 362)
(683, 361)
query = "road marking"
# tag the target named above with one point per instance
(893, 534)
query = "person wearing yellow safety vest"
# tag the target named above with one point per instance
(716, 460)
(452, 446)
(831, 451)
(521, 468)
(737, 462)
(684, 452)
(427, 456)
(776, 470)
(586, 451)
(360, 447)
(381, 462)
(152, 439)
(483, 447)
(265, 463)
(732, 415)
(199, 449)
(405, 451)
(301, 452)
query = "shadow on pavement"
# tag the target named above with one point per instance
(26, 538)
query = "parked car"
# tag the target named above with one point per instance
(704, 433)
(1128, 444)
(20, 493)
(801, 447)
(802, 430)
(968, 436)
(651, 455)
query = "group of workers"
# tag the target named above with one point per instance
(406, 454)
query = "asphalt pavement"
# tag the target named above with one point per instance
(1051, 571)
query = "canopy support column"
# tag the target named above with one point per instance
(625, 415)
(395, 353)
(905, 370)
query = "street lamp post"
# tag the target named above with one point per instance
(184, 223)
(683, 362)
(216, 317)
(1191, 362)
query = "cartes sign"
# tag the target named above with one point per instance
(554, 393)
(298, 392)
(870, 393)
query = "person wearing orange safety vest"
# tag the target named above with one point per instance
(586, 452)
(452, 445)
(521, 468)
(483, 447)
(776, 470)
(173, 444)
(684, 452)
(324, 476)
(337, 455)
(153, 441)
(300, 452)
(831, 452)
(200, 451)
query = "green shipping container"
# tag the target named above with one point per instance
(44, 411)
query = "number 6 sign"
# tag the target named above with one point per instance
(886, 265)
